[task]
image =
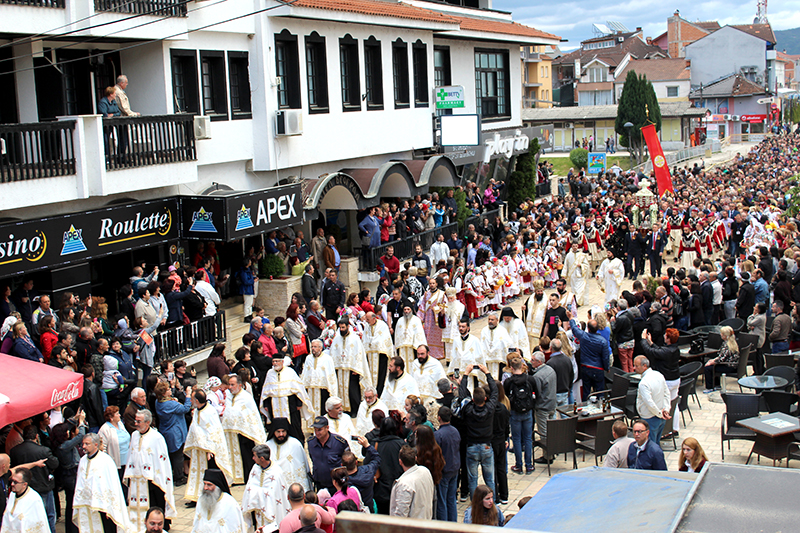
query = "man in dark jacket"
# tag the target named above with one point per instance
(92, 401)
(449, 440)
(708, 297)
(309, 284)
(45, 463)
(565, 375)
(765, 264)
(363, 477)
(478, 412)
(622, 327)
(85, 345)
(746, 300)
(657, 323)
(665, 359)
(333, 296)
(595, 355)
(635, 245)
(644, 454)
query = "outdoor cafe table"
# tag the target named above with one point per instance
(760, 383)
(686, 356)
(587, 423)
(774, 432)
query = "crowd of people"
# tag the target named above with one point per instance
(407, 407)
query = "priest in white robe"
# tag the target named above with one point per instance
(340, 422)
(427, 372)
(467, 352)
(217, 511)
(205, 445)
(453, 312)
(243, 429)
(577, 272)
(288, 453)
(610, 276)
(350, 361)
(408, 335)
(399, 385)
(371, 403)
(379, 348)
(284, 396)
(319, 377)
(24, 509)
(99, 504)
(516, 332)
(496, 343)
(148, 473)
(265, 502)
(534, 311)
(566, 298)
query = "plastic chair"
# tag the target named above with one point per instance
(713, 341)
(735, 323)
(561, 433)
(600, 443)
(687, 388)
(752, 340)
(781, 402)
(683, 340)
(672, 406)
(737, 407)
(779, 359)
(744, 356)
(693, 370)
(785, 372)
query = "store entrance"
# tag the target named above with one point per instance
(108, 274)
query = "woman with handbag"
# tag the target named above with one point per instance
(296, 332)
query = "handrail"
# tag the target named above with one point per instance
(148, 140)
(34, 3)
(158, 8)
(36, 150)
(404, 248)
(176, 342)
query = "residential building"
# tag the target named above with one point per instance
(255, 115)
(733, 107)
(586, 76)
(670, 77)
(537, 75)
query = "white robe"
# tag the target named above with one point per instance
(241, 418)
(610, 276)
(344, 427)
(205, 436)
(577, 272)
(427, 376)
(377, 341)
(408, 336)
(97, 489)
(495, 345)
(319, 373)
(291, 456)
(465, 353)
(266, 495)
(148, 460)
(280, 387)
(534, 321)
(349, 356)
(519, 336)
(452, 314)
(25, 514)
(395, 392)
(225, 518)
(364, 417)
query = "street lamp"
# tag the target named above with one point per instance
(629, 127)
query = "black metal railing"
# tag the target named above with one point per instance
(34, 3)
(477, 220)
(149, 140)
(37, 150)
(159, 8)
(404, 248)
(177, 342)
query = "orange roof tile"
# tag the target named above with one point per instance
(503, 27)
(377, 8)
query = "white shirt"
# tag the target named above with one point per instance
(653, 395)
(716, 286)
(439, 252)
(210, 295)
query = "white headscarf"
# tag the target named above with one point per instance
(7, 325)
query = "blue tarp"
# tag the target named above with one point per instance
(599, 500)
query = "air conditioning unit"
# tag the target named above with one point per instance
(289, 122)
(735, 118)
(726, 117)
(202, 127)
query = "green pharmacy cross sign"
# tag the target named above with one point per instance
(450, 97)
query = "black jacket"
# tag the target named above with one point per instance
(623, 328)
(657, 325)
(334, 295)
(502, 425)
(92, 403)
(390, 469)
(765, 265)
(746, 300)
(479, 418)
(29, 452)
(730, 288)
(565, 374)
(696, 316)
(665, 359)
(309, 287)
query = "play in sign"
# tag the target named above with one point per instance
(449, 97)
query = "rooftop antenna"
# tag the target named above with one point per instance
(761, 13)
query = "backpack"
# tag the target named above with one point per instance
(677, 304)
(522, 397)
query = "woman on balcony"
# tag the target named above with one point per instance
(107, 106)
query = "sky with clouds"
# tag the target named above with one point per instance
(573, 19)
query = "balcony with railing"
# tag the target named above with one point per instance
(86, 155)
(530, 57)
(34, 3)
(159, 8)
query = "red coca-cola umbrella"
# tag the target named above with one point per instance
(28, 388)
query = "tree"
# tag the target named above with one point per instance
(579, 157)
(522, 182)
(639, 106)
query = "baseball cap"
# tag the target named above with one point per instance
(320, 422)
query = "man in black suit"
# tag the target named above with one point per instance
(746, 300)
(656, 243)
(708, 297)
(42, 463)
(635, 246)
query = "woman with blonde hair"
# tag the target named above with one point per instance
(726, 361)
(566, 349)
(692, 457)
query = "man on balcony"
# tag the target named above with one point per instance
(122, 99)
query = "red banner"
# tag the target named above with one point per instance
(660, 167)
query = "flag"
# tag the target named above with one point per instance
(660, 167)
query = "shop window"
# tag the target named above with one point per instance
(491, 83)
(184, 81)
(348, 61)
(239, 82)
(400, 74)
(316, 74)
(420, 60)
(215, 98)
(373, 73)
(287, 70)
